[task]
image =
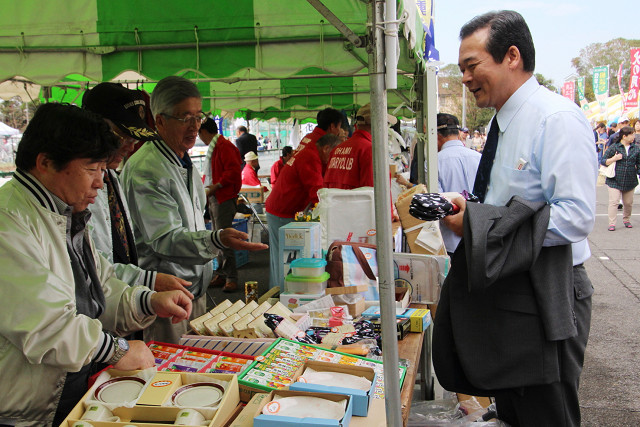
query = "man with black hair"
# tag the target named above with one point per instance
(63, 308)
(287, 153)
(457, 167)
(223, 183)
(329, 120)
(515, 309)
(245, 142)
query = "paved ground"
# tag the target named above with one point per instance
(610, 386)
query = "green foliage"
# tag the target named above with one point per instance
(12, 112)
(548, 83)
(611, 53)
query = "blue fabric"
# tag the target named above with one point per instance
(545, 152)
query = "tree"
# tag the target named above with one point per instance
(12, 112)
(548, 83)
(612, 53)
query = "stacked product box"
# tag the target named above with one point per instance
(177, 358)
(307, 282)
(276, 368)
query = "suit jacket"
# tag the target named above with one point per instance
(506, 303)
(245, 143)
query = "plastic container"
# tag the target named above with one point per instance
(308, 267)
(305, 285)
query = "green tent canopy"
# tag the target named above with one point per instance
(259, 58)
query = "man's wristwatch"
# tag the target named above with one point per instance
(121, 348)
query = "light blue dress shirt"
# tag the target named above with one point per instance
(545, 152)
(457, 167)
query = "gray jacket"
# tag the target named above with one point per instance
(506, 302)
(167, 202)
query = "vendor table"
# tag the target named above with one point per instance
(416, 347)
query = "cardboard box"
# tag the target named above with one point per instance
(420, 318)
(360, 399)
(263, 420)
(340, 290)
(412, 226)
(253, 194)
(152, 413)
(297, 240)
(423, 274)
(245, 418)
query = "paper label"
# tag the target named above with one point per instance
(273, 407)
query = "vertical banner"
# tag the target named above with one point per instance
(569, 90)
(632, 98)
(601, 86)
(580, 88)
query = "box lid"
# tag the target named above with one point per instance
(308, 263)
(291, 278)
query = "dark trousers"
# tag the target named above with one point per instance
(222, 215)
(553, 404)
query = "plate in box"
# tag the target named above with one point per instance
(119, 390)
(198, 395)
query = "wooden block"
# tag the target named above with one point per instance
(234, 308)
(243, 322)
(261, 309)
(248, 309)
(197, 324)
(269, 294)
(226, 326)
(212, 326)
(220, 307)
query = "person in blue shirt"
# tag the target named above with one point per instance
(457, 167)
(542, 149)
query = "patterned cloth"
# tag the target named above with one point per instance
(117, 217)
(431, 207)
(627, 168)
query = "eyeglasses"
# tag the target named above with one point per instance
(188, 119)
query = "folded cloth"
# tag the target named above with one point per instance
(434, 206)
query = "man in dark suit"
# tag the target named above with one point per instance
(515, 310)
(245, 142)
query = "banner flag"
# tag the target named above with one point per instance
(569, 90)
(601, 86)
(580, 87)
(632, 98)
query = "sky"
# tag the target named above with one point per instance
(560, 28)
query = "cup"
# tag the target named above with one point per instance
(98, 412)
(189, 417)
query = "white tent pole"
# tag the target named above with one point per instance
(430, 98)
(383, 216)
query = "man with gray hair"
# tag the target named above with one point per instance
(167, 201)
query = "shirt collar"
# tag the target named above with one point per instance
(515, 101)
(46, 198)
(452, 143)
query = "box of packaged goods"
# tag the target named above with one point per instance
(419, 318)
(275, 369)
(355, 381)
(157, 399)
(301, 408)
(298, 240)
(179, 358)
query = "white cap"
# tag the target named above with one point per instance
(250, 156)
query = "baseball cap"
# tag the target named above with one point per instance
(250, 156)
(465, 129)
(363, 116)
(623, 119)
(124, 107)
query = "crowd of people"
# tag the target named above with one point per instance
(94, 255)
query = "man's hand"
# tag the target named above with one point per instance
(616, 157)
(174, 304)
(138, 357)
(236, 239)
(211, 189)
(454, 222)
(169, 282)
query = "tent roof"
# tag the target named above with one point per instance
(276, 58)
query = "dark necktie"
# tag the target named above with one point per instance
(117, 218)
(486, 161)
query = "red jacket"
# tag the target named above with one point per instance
(249, 176)
(226, 166)
(275, 170)
(297, 184)
(351, 163)
(311, 138)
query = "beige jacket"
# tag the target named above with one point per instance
(41, 335)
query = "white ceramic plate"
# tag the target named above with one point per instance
(305, 407)
(119, 390)
(198, 395)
